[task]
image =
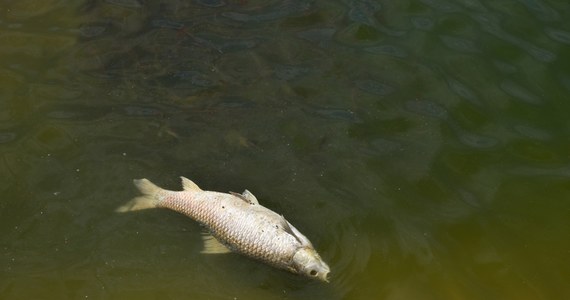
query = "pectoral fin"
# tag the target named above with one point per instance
(213, 246)
(295, 233)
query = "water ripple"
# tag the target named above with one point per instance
(285, 72)
(422, 23)
(125, 3)
(491, 25)
(6, 137)
(374, 87)
(317, 34)
(463, 91)
(75, 112)
(141, 111)
(541, 10)
(287, 8)
(476, 141)
(363, 12)
(92, 30)
(350, 256)
(427, 108)
(505, 67)
(165, 23)
(558, 35)
(384, 146)
(390, 50)
(555, 171)
(443, 6)
(518, 92)
(459, 44)
(532, 132)
(211, 3)
(336, 114)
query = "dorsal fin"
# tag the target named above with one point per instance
(246, 196)
(250, 197)
(189, 185)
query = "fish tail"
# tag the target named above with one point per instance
(149, 198)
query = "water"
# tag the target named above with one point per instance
(421, 145)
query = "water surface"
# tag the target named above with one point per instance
(421, 145)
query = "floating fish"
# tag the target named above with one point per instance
(238, 223)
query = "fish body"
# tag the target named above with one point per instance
(237, 223)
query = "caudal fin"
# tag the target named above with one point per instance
(148, 199)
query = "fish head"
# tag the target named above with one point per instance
(307, 261)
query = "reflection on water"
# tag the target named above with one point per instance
(421, 145)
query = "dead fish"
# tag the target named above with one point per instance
(238, 223)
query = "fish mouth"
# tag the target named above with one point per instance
(324, 277)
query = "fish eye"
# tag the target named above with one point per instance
(313, 273)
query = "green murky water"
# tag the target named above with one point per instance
(422, 145)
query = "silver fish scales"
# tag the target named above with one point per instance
(237, 223)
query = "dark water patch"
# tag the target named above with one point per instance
(374, 87)
(389, 50)
(53, 139)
